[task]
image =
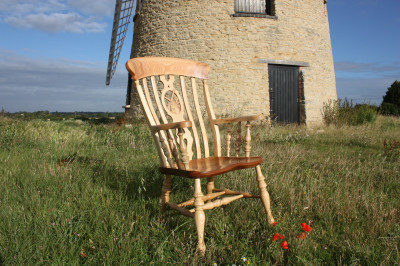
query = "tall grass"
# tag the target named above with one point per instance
(74, 194)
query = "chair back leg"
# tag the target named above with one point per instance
(210, 185)
(165, 191)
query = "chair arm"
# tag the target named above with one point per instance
(238, 119)
(182, 124)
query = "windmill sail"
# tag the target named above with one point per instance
(122, 15)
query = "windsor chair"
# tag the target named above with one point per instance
(169, 88)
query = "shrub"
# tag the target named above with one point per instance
(364, 114)
(388, 109)
(330, 112)
(391, 101)
(338, 113)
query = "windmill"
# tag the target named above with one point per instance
(122, 15)
(251, 57)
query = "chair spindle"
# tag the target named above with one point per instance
(165, 150)
(228, 140)
(183, 148)
(174, 152)
(238, 138)
(247, 139)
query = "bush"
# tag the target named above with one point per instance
(364, 114)
(391, 101)
(388, 109)
(338, 113)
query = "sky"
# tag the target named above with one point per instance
(54, 53)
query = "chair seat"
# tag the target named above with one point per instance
(212, 166)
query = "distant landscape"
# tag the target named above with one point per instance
(94, 117)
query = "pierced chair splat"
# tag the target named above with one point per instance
(169, 88)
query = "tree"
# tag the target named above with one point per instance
(391, 101)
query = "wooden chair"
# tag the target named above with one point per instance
(169, 89)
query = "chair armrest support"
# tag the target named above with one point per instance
(238, 119)
(182, 124)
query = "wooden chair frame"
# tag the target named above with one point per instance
(169, 109)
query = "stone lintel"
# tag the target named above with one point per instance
(283, 62)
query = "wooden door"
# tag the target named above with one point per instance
(284, 93)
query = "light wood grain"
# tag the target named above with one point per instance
(232, 192)
(210, 184)
(190, 115)
(264, 195)
(205, 198)
(200, 117)
(153, 66)
(211, 115)
(165, 150)
(199, 216)
(181, 124)
(220, 202)
(247, 140)
(239, 119)
(238, 142)
(213, 166)
(166, 190)
(183, 211)
(151, 122)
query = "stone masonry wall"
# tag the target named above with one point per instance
(206, 31)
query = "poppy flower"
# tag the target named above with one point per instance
(306, 227)
(276, 236)
(302, 235)
(274, 224)
(284, 245)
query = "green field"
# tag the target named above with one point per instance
(75, 193)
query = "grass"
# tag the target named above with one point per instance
(80, 193)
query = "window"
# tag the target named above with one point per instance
(254, 8)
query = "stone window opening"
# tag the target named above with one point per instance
(255, 8)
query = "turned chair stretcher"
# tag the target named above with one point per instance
(168, 89)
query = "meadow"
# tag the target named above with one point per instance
(79, 193)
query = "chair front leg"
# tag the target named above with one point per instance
(199, 216)
(165, 191)
(264, 195)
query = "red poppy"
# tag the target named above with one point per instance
(276, 236)
(284, 245)
(302, 235)
(306, 227)
(274, 224)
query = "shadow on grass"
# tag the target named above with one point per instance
(141, 181)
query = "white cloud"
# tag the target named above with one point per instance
(99, 7)
(57, 22)
(53, 16)
(29, 84)
(349, 66)
(23, 7)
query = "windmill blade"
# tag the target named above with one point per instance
(122, 15)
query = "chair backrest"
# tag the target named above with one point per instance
(170, 91)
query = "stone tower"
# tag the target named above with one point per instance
(266, 56)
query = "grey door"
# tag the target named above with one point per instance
(284, 93)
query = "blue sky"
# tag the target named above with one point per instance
(53, 53)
